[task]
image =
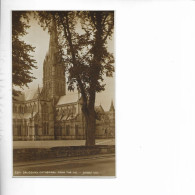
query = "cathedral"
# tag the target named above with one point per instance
(48, 113)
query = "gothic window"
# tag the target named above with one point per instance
(45, 108)
(36, 129)
(19, 130)
(47, 128)
(64, 128)
(67, 129)
(44, 129)
(26, 129)
(76, 130)
(27, 133)
(60, 130)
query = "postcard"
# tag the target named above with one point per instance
(63, 93)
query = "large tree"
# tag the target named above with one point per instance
(82, 39)
(22, 60)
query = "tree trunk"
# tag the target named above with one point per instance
(90, 131)
(90, 127)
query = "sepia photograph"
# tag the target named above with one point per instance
(63, 93)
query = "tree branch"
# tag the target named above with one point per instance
(68, 37)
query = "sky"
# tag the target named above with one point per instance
(39, 39)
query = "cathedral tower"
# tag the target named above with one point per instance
(53, 70)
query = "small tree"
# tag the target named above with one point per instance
(82, 39)
(22, 61)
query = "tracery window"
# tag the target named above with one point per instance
(47, 129)
(19, 130)
(76, 130)
(67, 129)
(44, 128)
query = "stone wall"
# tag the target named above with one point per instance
(29, 154)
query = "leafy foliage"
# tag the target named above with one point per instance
(22, 60)
(79, 48)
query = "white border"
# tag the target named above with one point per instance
(155, 100)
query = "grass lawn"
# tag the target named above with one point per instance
(55, 143)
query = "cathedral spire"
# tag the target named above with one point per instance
(53, 42)
(112, 106)
(38, 92)
(38, 89)
(53, 70)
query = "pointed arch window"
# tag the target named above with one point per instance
(47, 128)
(67, 129)
(19, 130)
